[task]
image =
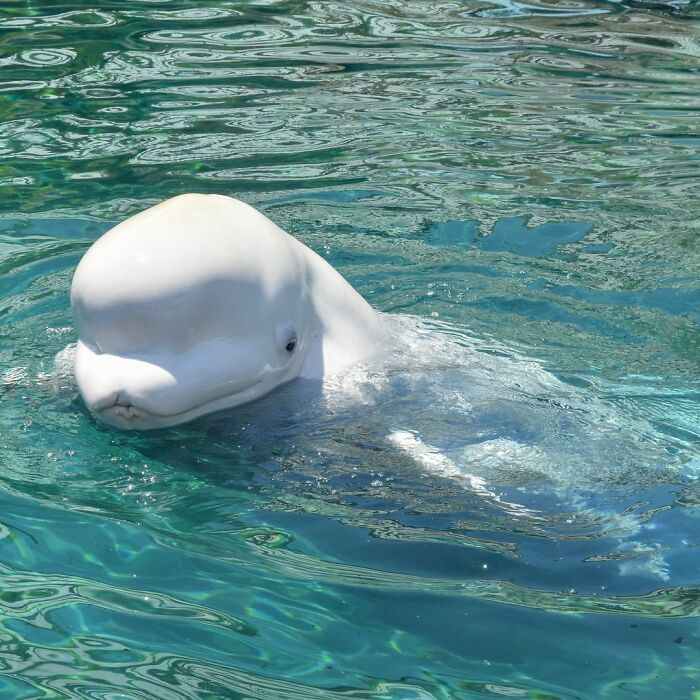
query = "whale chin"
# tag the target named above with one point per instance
(144, 392)
(127, 416)
(134, 418)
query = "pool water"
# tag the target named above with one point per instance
(505, 503)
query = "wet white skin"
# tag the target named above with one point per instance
(202, 303)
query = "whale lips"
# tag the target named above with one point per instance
(117, 405)
(119, 410)
(128, 413)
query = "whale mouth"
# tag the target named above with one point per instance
(119, 411)
(123, 408)
(140, 392)
(124, 416)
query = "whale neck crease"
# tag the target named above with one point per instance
(349, 329)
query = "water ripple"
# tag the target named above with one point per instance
(22, 599)
(522, 178)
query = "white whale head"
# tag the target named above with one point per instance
(202, 303)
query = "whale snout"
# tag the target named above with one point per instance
(123, 391)
(152, 391)
(124, 417)
(112, 399)
(117, 408)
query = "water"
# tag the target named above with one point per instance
(506, 503)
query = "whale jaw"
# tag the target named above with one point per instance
(158, 391)
(126, 416)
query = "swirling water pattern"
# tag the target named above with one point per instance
(521, 177)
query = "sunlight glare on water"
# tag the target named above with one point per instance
(505, 502)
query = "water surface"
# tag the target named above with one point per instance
(516, 184)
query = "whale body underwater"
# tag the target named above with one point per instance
(201, 303)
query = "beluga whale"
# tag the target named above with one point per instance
(202, 303)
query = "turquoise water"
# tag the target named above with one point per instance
(517, 185)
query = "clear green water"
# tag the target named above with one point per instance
(523, 177)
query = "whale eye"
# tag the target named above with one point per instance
(286, 337)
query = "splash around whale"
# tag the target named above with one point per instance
(202, 303)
